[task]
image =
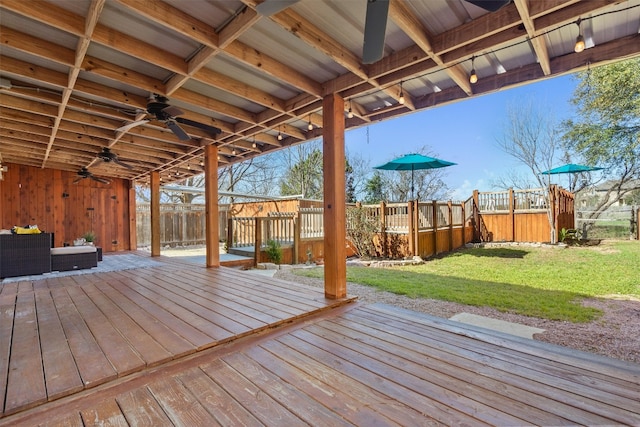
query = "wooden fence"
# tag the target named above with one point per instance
(181, 224)
(522, 215)
(404, 229)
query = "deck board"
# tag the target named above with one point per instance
(362, 365)
(65, 334)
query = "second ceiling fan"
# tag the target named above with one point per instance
(159, 109)
(374, 27)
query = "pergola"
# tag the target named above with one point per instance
(177, 88)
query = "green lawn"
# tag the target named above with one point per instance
(539, 282)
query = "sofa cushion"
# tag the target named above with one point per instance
(67, 250)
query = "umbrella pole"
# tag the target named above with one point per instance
(411, 182)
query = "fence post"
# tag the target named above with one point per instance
(258, 240)
(411, 228)
(476, 216)
(449, 205)
(229, 233)
(383, 228)
(512, 214)
(297, 220)
(434, 215)
(464, 224)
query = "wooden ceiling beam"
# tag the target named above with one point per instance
(400, 13)
(538, 43)
(95, 8)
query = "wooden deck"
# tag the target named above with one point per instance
(59, 336)
(350, 365)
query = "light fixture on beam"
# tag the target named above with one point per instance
(350, 112)
(401, 98)
(310, 125)
(580, 45)
(254, 145)
(473, 77)
(279, 134)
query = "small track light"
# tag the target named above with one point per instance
(350, 112)
(401, 99)
(279, 134)
(310, 126)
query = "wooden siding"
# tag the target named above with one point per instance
(50, 199)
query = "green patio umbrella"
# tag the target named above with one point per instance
(414, 161)
(571, 168)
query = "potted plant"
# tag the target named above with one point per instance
(89, 237)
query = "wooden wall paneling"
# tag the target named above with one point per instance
(2, 204)
(58, 206)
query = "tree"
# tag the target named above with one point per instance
(303, 171)
(607, 130)
(374, 189)
(349, 183)
(531, 136)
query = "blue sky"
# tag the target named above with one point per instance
(464, 132)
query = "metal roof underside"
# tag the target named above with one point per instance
(75, 71)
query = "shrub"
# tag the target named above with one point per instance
(274, 251)
(360, 230)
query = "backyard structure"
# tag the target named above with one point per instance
(74, 74)
(408, 229)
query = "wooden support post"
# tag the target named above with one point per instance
(133, 222)
(212, 220)
(512, 214)
(258, 240)
(335, 233)
(155, 213)
(434, 211)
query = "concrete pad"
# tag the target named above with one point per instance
(261, 272)
(497, 325)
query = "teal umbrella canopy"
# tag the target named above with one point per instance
(411, 162)
(571, 168)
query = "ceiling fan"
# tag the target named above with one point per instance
(160, 110)
(374, 27)
(106, 155)
(84, 174)
(490, 5)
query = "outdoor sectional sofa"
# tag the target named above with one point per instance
(29, 254)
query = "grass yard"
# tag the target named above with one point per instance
(539, 282)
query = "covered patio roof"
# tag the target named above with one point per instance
(73, 73)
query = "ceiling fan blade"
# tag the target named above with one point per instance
(75, 181)
(172, 111)
(271, 7)
(211, 129)
(375, 27)
(100, 180)
(131, 125)
(490, 5)
(121, 163)
(175, 128)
